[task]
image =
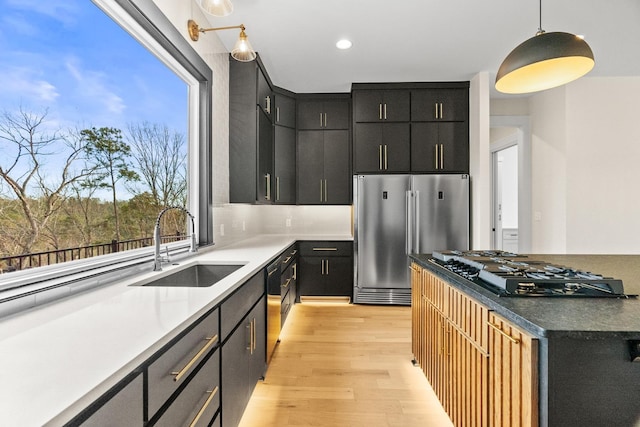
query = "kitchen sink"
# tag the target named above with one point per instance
(196, 276)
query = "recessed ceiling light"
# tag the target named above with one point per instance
(344, 44)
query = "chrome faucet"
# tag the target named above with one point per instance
(157, 259)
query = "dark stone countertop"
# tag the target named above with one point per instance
(584, 318)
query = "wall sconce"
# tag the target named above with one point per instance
(242, 50)
(545, 61)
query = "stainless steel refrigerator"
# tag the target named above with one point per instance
(395, 215)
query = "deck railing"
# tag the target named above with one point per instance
(39, 259)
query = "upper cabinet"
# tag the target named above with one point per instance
(323, 149)
(285, 109)
(321, 114)
(411, 127)
(428, 105)
(390, 105)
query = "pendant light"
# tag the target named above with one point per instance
(216, 7)
(544, 61)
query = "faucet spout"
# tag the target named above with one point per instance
(157, 259)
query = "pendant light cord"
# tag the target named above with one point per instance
(540, 30)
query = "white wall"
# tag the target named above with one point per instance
(603, 159)
(585, 157)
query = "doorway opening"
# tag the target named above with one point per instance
(510, 184)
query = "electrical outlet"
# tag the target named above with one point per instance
(222, 229)
(537, 216)
(288, 222)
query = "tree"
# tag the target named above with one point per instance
(110, 156)
(160, 157)
(40, 191)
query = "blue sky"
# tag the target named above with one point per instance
(67, 56)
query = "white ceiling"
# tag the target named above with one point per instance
(421, 40)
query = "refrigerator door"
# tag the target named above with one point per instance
(382, 240)
(441, 212)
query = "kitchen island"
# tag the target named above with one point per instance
(62, 356)
(536, 360)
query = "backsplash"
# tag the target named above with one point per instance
(235, 222)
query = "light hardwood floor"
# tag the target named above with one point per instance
(344, 365)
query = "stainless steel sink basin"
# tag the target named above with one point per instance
(196, 276)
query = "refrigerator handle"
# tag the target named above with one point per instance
(416, 222)
(408, 223)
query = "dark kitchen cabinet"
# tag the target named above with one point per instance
(284, 165)
(440, 130)
(440, 147)
(388, 105)
(439, 105)
(251, 174)
(324, 175)
(243, 363)
(323, 113)
(326, 269)
(125, 408)
(381, 147)
(285, 109)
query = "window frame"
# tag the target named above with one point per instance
(150, 27)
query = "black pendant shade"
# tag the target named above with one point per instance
(544, 61)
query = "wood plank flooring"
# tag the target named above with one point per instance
(344, 365)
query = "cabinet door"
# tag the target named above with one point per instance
(311, 278)
(454, 140)
(264, 96)
(265, 179)
(513, 380)
(285, 165)
(381, 105)
(258, 348)
(396, 147)
(367, 148)
(367, 106)
(337, 114)
(310, 167)
(285, 110)
(338, 276)
(310, 114)
(337, 175)
(424, 137)
(236, 381)
(439, 104)
(123, 409)
(396, 105)
(381, 147)
(440, 147)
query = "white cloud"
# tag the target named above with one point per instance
(93, 86)
(23, 84)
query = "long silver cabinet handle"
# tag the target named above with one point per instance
(286, 285)
(268, 181)
(325, 191)
(437, 158)
(325, 249)
(325, 119)
(277, 114)
(179, 374)
(385, 156)
(385, 111)
(441, 156)
(380, 156)
(204, 407)
(320, 119)
(380, 111)
(441, 110)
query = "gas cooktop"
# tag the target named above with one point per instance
(509, 274)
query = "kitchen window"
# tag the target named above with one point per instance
(147, 24)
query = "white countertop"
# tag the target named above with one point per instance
(58, 358)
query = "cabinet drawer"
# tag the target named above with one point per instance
(326, 249)
(124, 409)
(200, 398)
(170, 370)
(237, 305)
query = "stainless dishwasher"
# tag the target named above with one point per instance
(273, 306)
